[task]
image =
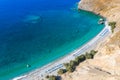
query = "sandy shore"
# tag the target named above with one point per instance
(53, 67)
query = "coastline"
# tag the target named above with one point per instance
(52, 68)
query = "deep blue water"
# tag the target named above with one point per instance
(37, 32)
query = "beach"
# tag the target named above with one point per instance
(52, 68)
(41, 37)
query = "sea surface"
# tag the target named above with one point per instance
(37, 32)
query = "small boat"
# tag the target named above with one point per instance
(28, 65)
(101, 21)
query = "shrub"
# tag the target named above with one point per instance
(77, 60)
(113, 25)
(88, 56)
(66, 65)
(93, 52)
(61, 71)
(80, 58)
(73, 63)
(52, 77)
(70, 68)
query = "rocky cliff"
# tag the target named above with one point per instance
(106, 64)
(107, 8)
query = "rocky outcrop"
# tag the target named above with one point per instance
(107, 8)
(106, 64)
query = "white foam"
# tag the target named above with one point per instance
(17, 78)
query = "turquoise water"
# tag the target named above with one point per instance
(40, 33)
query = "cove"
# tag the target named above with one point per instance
(41, 33)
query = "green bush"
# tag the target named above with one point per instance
(61, 71)
(113, 26)
(52, 77)
(88, 56)
(73, 63)
(66, 65)
(92, 53)
(70, 68)
(80, 58)
(77, 60)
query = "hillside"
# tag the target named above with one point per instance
(106, 64)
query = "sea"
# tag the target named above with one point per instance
(38, 32)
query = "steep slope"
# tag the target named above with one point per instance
(106, 8)
(106, 64)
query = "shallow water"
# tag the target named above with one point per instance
(37, 32)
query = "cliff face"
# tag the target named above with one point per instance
(107, 8)
(111, 10)
(106, 64)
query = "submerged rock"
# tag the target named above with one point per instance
(32, 19)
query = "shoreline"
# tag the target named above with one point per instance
(52, 67)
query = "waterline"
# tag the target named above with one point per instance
(56, 65)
